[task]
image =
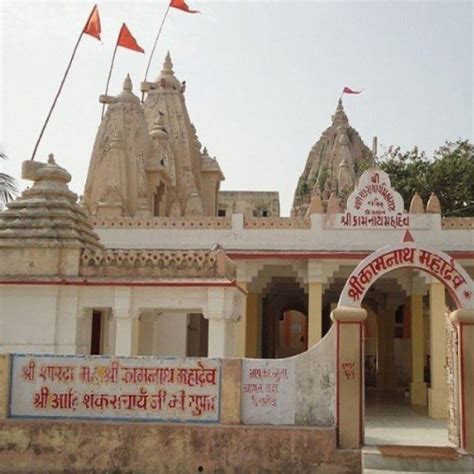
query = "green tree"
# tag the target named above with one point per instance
(8, 186)
(449, 173)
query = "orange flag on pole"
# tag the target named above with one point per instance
(181, 5)
(126, 40)
(92, 27)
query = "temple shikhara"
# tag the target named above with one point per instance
(245, 317)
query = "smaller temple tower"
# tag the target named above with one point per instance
(147, 159)
(334, 164)
(117, 183)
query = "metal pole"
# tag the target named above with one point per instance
(154, 45)
(110, 74)
(57, 95)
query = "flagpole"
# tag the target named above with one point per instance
(154, 45)
(57, 95)
(110, 74)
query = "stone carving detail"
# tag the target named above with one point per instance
(277, 223)
(156, 263)
(162, 223)
(458, 223)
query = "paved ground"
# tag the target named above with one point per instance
(390, 419)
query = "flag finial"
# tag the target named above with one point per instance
(168, 64)
(127, 84)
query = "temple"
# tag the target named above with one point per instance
(155, 260)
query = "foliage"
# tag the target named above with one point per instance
(8, 186)
(449, 174)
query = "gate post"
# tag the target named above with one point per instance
(464, 321)
(350, 375)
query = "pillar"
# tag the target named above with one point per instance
(417, 386)
(241, 327)
(220, 337)
(390, 376)
(381, 353)
(125, 334)
(126, 323)
(315, 313)
(438, 392)
(349, 379)
(464, 321)
(224, 308)
(252, 327)
(315, 302)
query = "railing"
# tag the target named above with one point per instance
(157, 264)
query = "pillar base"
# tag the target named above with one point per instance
(418, 393)
(438, 403)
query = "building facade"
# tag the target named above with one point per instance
(155, 260)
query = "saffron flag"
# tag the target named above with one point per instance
(126, 40)
(181, 5)
(348, 90)
(92, 27)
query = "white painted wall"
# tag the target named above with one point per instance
(28, 319)
(425, 228)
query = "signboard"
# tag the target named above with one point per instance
(160, 389)
(374, 204)
(406, 254)
(268, 391)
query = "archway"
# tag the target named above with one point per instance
(350, 318)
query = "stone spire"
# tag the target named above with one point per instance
(117, 183)
(167, 79)
(43, 231)
(193, 193)
(334, 164)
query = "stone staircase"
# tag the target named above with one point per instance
(415, 459)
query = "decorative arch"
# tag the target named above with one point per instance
(408, 255)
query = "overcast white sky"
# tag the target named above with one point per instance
(263, 77)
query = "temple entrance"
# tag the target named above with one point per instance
(397, 361)
(429, 392)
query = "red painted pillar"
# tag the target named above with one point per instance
(464, 321)
(350, 375)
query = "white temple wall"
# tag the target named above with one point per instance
(321, 236)
(28, 319)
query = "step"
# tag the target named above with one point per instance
(417, 459)
(383, 471)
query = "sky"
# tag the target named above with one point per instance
(263, 78)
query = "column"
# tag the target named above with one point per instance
(349, 379)
(220, 337)
(438, 392)
(223, 310)
(381, 338)
(126, 326)
(126, 334)
(252, 326)
(464, 321)
(390, 378)
(417, 386)
(315, 302)
(315, 312)
(241, 327)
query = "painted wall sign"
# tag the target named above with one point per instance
(268, 391)
(374, 204)
(171, 389)
(408, 254)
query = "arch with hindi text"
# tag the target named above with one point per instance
(408, 255)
